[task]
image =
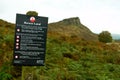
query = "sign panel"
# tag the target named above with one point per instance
(30, 40)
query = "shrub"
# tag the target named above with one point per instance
(105, 37)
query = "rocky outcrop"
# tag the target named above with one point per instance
(71, 21)
(72, 27)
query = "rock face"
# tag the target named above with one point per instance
(71, 27)
(71, 21)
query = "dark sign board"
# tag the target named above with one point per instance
(30, 40)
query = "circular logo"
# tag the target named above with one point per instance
(32, 19)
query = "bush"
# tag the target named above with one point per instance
(105, 37)
(5, 72)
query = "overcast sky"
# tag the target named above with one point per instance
(97, 15)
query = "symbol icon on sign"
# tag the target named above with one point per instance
(17, 44)
(32, 19)
(17, 40)
(16, 57)
(17, 36)
(18, 30)
(17, 47)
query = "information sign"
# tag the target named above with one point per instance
(30, 40)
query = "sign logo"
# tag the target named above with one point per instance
(32, 19)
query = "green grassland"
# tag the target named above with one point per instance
(67, 58)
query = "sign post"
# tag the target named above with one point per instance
(30, 43)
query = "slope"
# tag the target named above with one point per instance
(71, 28)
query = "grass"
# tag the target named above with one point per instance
(66, 59)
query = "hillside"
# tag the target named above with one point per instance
(73, 53)
(71, 28)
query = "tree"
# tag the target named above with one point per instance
(105, 37)
(32, 13)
